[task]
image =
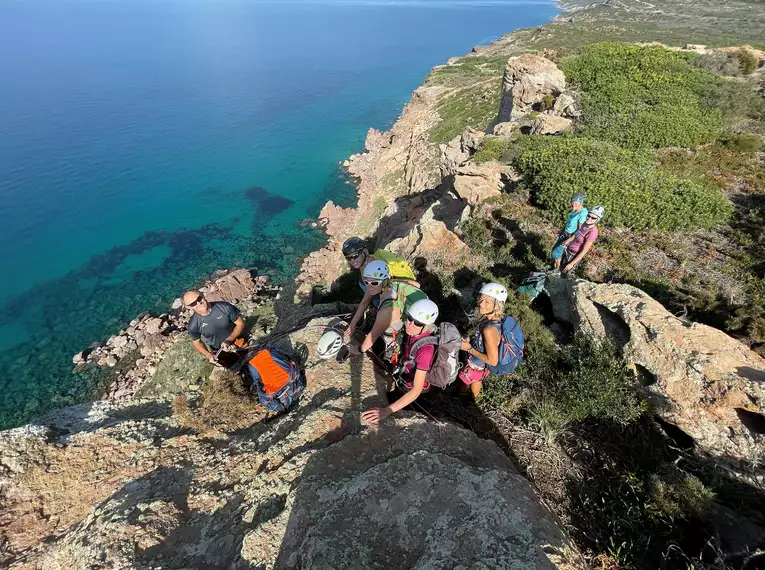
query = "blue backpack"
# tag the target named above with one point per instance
(277, 379)
(510, 348)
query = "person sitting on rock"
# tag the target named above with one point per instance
(393, 299)
(484, 349)
(581, 242)
(213, 325)
(413, 378)
(574, 221)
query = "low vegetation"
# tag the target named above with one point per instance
(474, 106)
(635, 193)
(639, 96)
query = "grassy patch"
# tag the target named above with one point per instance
(469, 107)
(493, 149)
(643, 96)
(635, 193)
(468, 70)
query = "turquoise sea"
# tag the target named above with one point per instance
(146, 143)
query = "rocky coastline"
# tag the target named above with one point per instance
(170, 475)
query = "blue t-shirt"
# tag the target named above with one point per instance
(574, 220)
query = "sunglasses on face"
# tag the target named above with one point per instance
(196, 302)
(415, 323)
(371, 283)
(592, 217)
(353, 257)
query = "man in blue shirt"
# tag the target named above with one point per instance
(574, 221)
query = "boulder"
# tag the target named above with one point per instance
(476, 183)
(506, 129)
(567, 105)
(459, 150)
(234, 286)
(528, 79)
(153, 326)
(700, 379)
(550, 125)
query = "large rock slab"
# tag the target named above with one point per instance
(550, 125)
(125, 485)
(528, 79)
(702, 380)
(476, 183)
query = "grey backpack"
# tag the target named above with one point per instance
(445, 362)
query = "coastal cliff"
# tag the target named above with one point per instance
(628, 429)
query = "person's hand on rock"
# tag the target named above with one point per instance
(375, 415)
(211, 359)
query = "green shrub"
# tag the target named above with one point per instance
(742, 142)
(642, 96)
(748, 62)
(492, 149)
(470, 107)
(635, 193)
(547, 102)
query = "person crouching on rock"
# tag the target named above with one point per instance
(483, 351)
(581, 242)
(574, 221)
(394, 299)
(214, 326)
(420, 322)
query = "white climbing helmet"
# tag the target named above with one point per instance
(330, 343)
(495, 291)
(597, 211)
(424, 311)
(376, 270)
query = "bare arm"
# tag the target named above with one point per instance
(382, 322)
(491, 342)
(376, 415)
(238, 329)
(202, 349)
(362, 308)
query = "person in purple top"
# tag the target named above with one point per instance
(581, 241)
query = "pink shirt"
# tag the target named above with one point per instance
(423, 360)
(582, 235)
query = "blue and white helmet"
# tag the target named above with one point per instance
(377, 270)
(495, 291)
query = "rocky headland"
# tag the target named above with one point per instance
(178, 468)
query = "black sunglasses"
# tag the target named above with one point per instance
(353, 256)
(195, 302)
(411, 320)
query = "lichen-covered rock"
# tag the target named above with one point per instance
(476, 183)
(550, 125)
(127, 485)
(567, 105)
(703, 381)
(528, 79)
(506, 129)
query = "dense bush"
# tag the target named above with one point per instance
(727, 63)
(742, 142)
(635, 193)
(643, 96)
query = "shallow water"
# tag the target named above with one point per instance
(145, 144)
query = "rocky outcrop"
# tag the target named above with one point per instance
(127, 485)
(506, 129)
(146, 340)
(528, 79)
(567, 105)
(459, 150)
(550, 125)
(700, 379)
(476, 183)
(395, 163)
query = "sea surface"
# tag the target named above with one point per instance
(146, 143)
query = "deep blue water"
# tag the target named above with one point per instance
(146, 143)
